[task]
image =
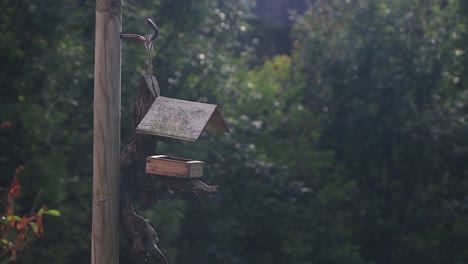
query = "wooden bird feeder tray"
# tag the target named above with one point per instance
(173, 166)
(181, 119)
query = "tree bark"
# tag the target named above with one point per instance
(141, 235)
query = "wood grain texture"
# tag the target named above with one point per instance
(175, 167)
(106, 148)
(181, 119)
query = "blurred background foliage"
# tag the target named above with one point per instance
(349, 138)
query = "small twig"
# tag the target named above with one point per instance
(13, 247)
(33, 208)
(3, 253)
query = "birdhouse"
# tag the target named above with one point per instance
(179, 119)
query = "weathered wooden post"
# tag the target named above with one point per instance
(106, 151)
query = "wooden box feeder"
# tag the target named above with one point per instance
(179, 119)
(173, 166)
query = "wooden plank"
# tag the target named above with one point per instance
(174, 166)
(106, 135)
(216, 122)
(181, 119)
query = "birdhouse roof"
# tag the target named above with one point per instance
(181, 119)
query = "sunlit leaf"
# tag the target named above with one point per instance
(34, 227)
(52, 212)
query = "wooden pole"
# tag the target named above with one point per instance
(106, 150)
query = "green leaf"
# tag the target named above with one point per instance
(41, 211)
(4, 241)
(52, 212)
(15, 217)
(34, 227)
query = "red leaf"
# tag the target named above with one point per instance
(5, 124)
(40, 226)
(15, 186)
(20, 238)
(14, 189)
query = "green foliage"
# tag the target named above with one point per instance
(275, 208)
(386, 78)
